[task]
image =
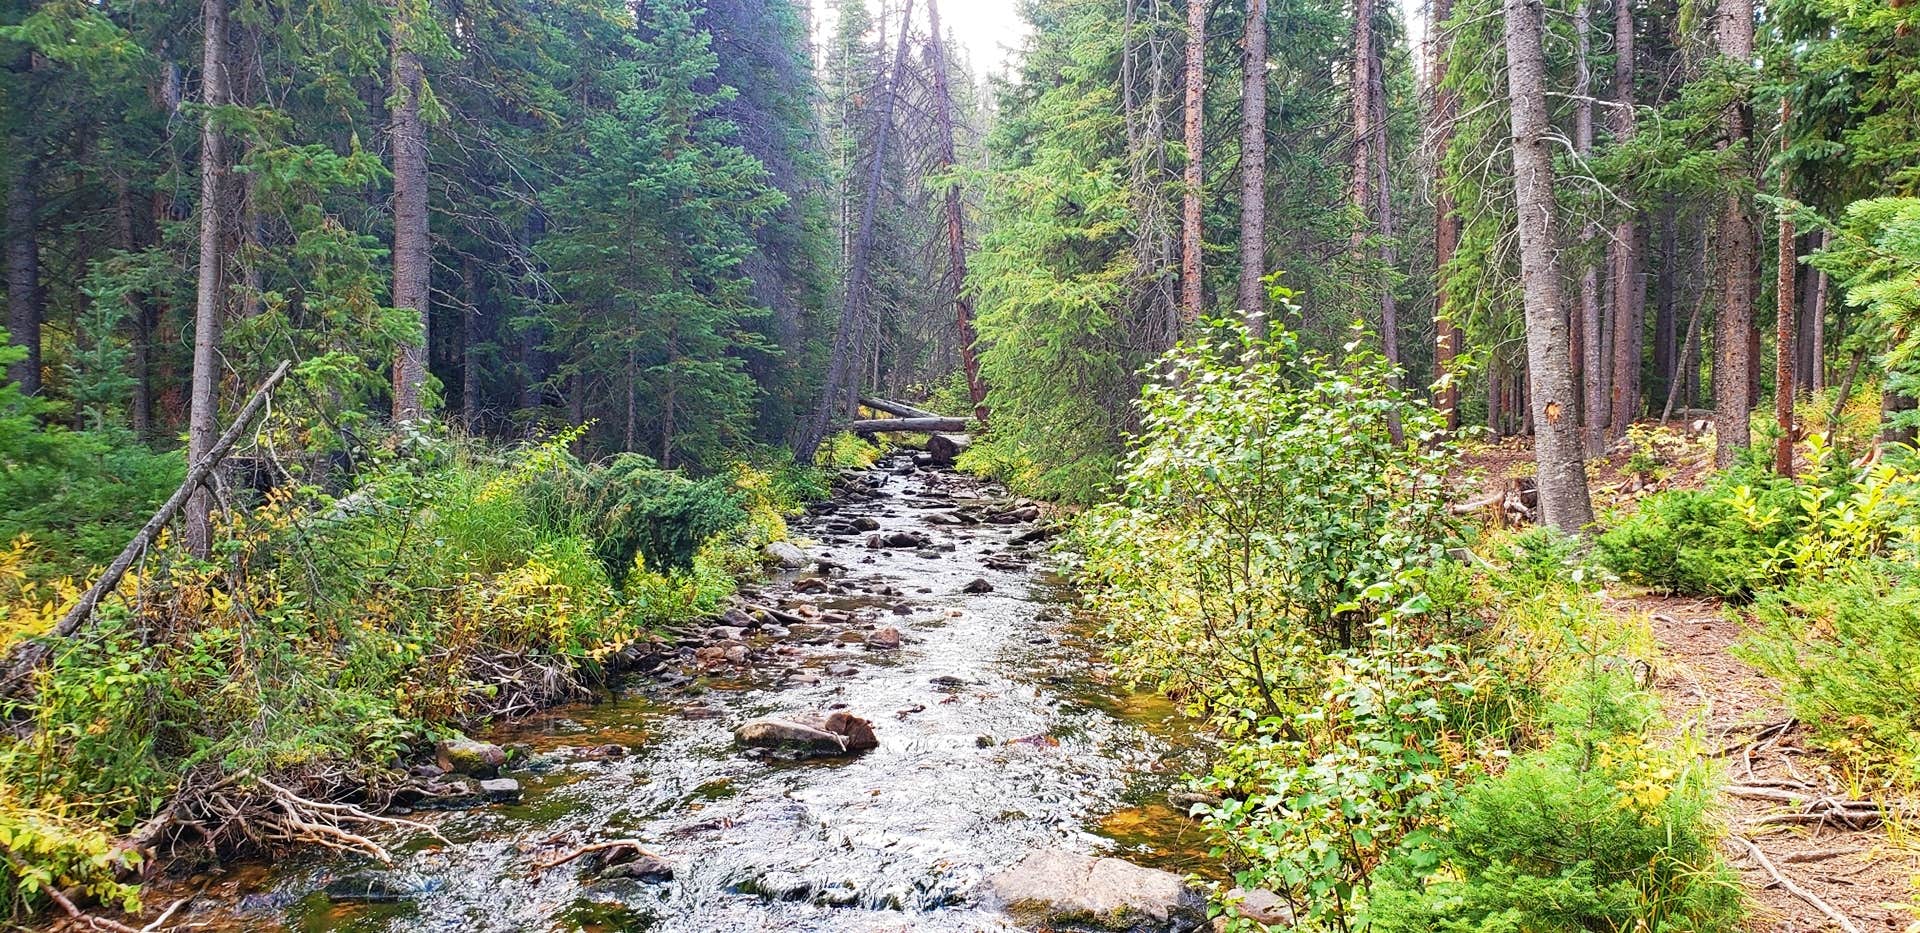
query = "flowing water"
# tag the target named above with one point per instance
(999, 732)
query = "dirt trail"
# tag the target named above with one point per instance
(1775, 778)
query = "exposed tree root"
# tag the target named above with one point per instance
(550, 864)
(1786, 884)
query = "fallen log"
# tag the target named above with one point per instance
(909, 426)
(946, 448)
(32, 654)
(899, 409)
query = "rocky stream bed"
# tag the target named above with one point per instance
(906, 730)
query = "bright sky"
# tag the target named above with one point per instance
(989, 29)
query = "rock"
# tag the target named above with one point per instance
(784, 735)
(1054, 889)
(737, 654)
(864, 523)
(611, 752)
(785, 554)
(1263, 907)
(644, 868)
(369, 887)
(977, 586)
(886, 639)
(840, 670)
(500, 790)
(857, 732)
(466, 756)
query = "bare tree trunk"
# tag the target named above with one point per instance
(412, 257)
(1558, 452)
(1733, 329)
(1784, 321)
(841, 362)
(1383, 220)
(1253, 169)
(1629, 310)
(25, 298)
(1589, 357)
(1361, 88)
(1190, 262)
(470, 347)
(1666, 325)
(956, 222)
(1817, 326)
(1446, 226)
(204, 410)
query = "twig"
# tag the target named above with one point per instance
(79, 916)
(161, 920)
(1760, 859)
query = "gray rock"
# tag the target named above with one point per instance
(785, 554)
(501, 790)
(1264, 907)
(466, 756)
(977, 586)
(1053, 889)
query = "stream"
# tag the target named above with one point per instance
(1000, 733)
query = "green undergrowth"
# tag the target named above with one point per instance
(328, 639)
(1825, 569)
(1411, 740)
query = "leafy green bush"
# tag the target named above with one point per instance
(1846, 652)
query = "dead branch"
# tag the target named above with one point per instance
(32, 654)
(1760, 858)
(544, 867)
(85, 919)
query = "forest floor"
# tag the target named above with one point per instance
(1777, 785)
(1778, 788)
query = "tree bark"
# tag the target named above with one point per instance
(1817, 326)
(1190, 216)
(1558, 451)
(956, 222)
(1253, 169)
(1784, 320)
(211, 295)
(26, 309)
(909, 425)
(841, 362)
(1666, 325)
(1446, 226)
(1733, 329)
(1629, 310)
(1586, 334)
(412, 257)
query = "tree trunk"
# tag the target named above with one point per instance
(1383, 221)
(1361, 87)
(412, 256)
(1190, 262)
(1253, 169)
(1629, 310)
(1666, 325)
(1586, 333)
(1446, 226)
(25, 298)
(956, 222)
(840, 363)
(1733, 329)
(1784, 321)
(1558, 452)
(470, 347)
(209, 304)
(1817, 326)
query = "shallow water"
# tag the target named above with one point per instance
(999, 731)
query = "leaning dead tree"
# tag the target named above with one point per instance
(956, 221)
(840, 365)
(30, 655)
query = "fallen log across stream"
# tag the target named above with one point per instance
(909, 426)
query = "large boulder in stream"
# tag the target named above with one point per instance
(809, 736)
(1051, 889)
(785, 554)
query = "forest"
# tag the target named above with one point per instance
(727, 465)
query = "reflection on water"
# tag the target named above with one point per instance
(999, 733)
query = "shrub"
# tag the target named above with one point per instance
(1846, 652)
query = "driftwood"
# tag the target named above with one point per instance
(909, 426)
(34, 653)
(945, 448)
(898, 409)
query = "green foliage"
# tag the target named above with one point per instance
(1263, 499)
(1846, 651)
(631, 508)
(1751, 529)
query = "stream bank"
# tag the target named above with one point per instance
(925, 607)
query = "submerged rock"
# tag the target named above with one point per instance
(466, 756)
(977, 586)
(369, 887)
(1053, 889)
(500, 790)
